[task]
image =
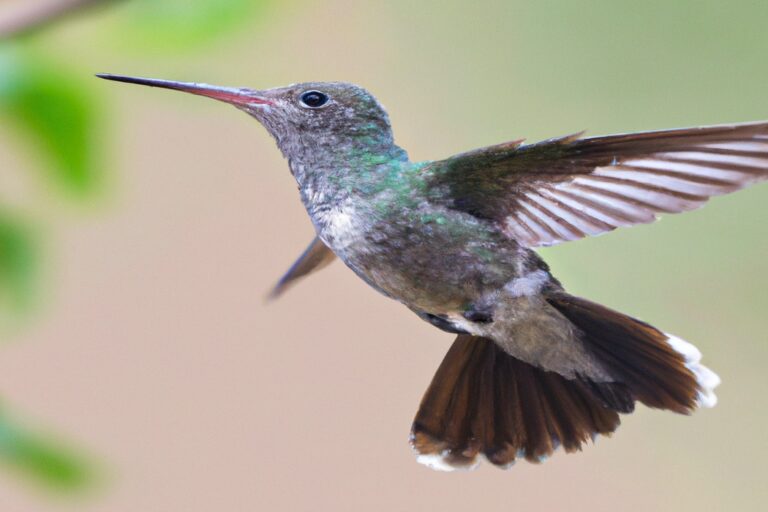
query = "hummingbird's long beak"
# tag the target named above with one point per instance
(231, 95)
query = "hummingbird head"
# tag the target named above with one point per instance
(311, 122)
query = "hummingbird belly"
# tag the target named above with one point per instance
(436, 262)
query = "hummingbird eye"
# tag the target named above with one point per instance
(313, 99)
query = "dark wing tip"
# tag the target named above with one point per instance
(315, 257)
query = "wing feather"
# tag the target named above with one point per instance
(568, 188)
(315, 257)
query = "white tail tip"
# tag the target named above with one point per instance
(441, 462)
(707, 379)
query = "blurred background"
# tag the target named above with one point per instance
(141, 367)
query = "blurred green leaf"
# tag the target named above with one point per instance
(18, 262)
(180, 24)
(42, 460)
(56, 111)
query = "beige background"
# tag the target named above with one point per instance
(156, 350)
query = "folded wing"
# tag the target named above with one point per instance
(315, 257)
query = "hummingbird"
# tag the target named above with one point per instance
(532, 368)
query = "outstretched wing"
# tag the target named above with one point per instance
(568, 188)
(316, 256)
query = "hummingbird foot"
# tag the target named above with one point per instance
(478, 315)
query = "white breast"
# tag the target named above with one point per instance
(341, 226)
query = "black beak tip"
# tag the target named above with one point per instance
(139, 81)
(116, 78)
(110, 76)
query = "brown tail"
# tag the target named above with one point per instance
(483, 401)
(661, 370)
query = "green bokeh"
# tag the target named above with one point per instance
(40, 458)
(18, 262)
(52, 105)
(150, 25)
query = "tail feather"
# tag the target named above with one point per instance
(706, 378)
(484, 402)
(661, 370)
